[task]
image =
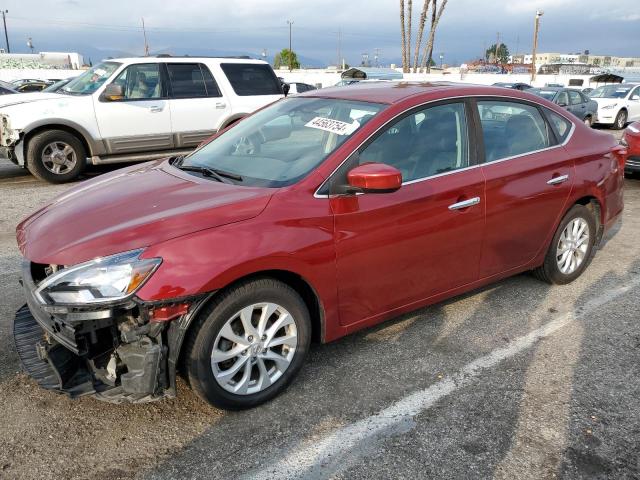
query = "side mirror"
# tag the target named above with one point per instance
(563, 105)
(374, 178)
(635, 97)
(113, 93)
(285, 88)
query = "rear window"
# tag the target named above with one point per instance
(561, 125)
(251, 79)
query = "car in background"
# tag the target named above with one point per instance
(7, 88)
(576, 102)
(631, 140)
(617, 104)
(54, 87)
(30, 85)
(299, 87)
(132, 110)
(515, 85)
(225, 263)
(587, 90)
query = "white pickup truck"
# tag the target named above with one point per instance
(131, 109)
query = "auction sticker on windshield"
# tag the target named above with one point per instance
(333, 126)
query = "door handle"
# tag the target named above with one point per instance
(156, 109)
(221, 105)
(465, 204)
(557, 180)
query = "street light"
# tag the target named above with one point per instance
(536, 27)
(290, 22)
(4, 21)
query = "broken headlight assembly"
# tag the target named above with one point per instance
(101, 280)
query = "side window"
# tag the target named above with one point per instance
(140, 81)
(188, 81)
(252, 79)
(575, 98)
(562, 98)
(561, 125)
(636, 92)
(512, 128)
(431, 141)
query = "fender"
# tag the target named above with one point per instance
(94, 146)
(233, 118)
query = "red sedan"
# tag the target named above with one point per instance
(631, 140)
(315, 217)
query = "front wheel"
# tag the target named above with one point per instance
(621, 120)
(56, 156)
(571, 249)
(248, 345)
(588, 121)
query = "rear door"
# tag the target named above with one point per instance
(253, 85)
(198, 107)
(395, 249)
(577, 104)
(141, 121)
(529, 177)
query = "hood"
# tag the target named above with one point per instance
(132, 208)
(603, 102)
(20, 98)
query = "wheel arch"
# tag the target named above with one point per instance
(594, 205)
(72, 129)
(232, 119)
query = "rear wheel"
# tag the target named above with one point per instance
(571, 249)
(248, 345)
(56, 156)
(621, 120)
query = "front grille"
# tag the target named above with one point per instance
(633, 162)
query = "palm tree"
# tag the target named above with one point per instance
(435, 18)
(404, 37)
(423, 20)
(408, 62)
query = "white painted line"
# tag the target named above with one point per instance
(310, 456)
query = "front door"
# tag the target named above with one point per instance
(396, 249)
(528, 180)
(634, 105)
(141, 121)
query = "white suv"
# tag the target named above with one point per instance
(131, 109)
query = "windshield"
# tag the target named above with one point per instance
(547, 94)
(610, 91)
(282, 143)
(91, 80)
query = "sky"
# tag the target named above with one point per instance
(99, 28)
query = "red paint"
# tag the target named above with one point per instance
(367, 257)
(375, 176)
(169, 312)
(633, 139)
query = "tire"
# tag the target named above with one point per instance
(53, 150)
(588, 121)
(621, 120)
(550, 271)
(210, 333)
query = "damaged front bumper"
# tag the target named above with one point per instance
(116, 352)
(9, 141)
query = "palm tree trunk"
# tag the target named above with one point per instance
(404, 37)
(410, 10)
(435, 18)
(423, 20)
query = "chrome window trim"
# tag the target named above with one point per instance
(418, 180)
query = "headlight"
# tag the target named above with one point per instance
(609, 107)
(101, 280)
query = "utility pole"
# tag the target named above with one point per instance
(290, 22)
(339, 62)
(536, 27)
(496, 56)
(376, 57)
(146, 45)
(6, 36)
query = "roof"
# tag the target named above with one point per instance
(369, 73)
(170, 59)
(607, 78)
(392, 92)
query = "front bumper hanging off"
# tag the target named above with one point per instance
(114, 352)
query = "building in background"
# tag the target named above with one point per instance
(42, 60)
(602, 61)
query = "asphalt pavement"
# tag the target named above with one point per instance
(516, 380)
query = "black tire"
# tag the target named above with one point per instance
(549, 271)
(621, 120)
(39, 143)
(588, 121)
(211, 320)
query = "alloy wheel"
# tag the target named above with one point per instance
(254, 348)
(59, 157)
(573, 245)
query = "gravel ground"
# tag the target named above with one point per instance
(565, 404)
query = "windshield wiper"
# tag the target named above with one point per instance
(219, 175)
